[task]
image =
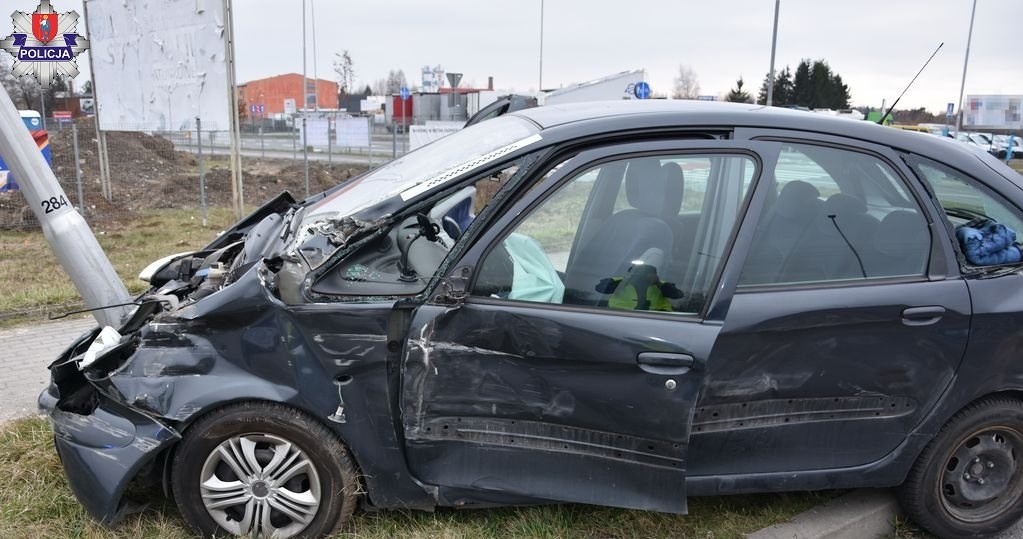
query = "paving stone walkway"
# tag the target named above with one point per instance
(24, 354)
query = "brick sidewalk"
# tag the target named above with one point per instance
(26, 353)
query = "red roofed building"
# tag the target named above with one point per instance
(273, 91)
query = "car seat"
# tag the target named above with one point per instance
(655, 195)
(794, 211)
(901, 246)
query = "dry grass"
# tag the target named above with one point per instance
(1017, 164)
(35, 502)
(35, 281)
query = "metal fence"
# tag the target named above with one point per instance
(140, 171)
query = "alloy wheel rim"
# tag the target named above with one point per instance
(982, 477)
(260, 485)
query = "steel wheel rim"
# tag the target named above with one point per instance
(260, 485)
(982, 477)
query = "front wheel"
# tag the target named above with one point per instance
(263, 470)
(968, 482)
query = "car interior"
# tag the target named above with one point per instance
(635, 234)
(836, 215)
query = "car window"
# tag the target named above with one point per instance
(835, 215)
(628, 234)
(967, 204)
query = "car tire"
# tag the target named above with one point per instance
(968, 482)
(263, 468)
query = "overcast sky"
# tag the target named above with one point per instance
(876, 45)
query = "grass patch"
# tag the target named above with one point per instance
(1017, 164)
(35, 501)
(36, 281)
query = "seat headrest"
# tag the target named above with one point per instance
(654, 189)
(795, 197)
(843, 204)
(901, 231)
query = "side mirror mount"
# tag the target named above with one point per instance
(453, 289)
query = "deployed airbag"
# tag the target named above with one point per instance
(535, 278)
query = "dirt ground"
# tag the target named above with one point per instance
(148, 173)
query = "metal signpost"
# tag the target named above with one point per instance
(642, 90)
(64, 228)
(78, 167)
(262, 124)
(949, 114)
(202, 171)
(404, 94)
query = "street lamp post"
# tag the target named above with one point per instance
(966, 62)
(774, 45)
(305, 106)
(540, 88)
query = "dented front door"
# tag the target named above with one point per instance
(538, 399)
(554, 405)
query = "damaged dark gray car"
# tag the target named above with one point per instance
(621, 304)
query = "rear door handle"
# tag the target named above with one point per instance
(667, 364)
(922, 316)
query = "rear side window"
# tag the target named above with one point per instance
(968, 204)
(835, 215)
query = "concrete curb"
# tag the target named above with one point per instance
(862, 514)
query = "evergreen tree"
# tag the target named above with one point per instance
(782, 89)
(801, 87)
(738, 95)
(816, 86)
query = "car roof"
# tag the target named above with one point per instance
(594, 117)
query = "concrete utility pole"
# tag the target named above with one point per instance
(774, 45)
(237, 189)
(966, 62)
(65, 229)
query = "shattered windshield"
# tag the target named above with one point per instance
(427, 167)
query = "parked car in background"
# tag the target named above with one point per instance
(1002, 143)
(619, 303)
(977, 139)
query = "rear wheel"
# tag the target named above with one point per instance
(968, 482)
(263, 470)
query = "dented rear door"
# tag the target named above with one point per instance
(510, 401)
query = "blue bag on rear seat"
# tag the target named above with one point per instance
(988, 244)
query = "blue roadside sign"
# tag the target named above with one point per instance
(262, 109)
(642, 90)
(950, 112)
(404, 93)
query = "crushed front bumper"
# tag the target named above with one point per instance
(102, 444)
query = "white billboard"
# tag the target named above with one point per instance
(352, 132)
(994, 112)
(319, 132)
(159, 64)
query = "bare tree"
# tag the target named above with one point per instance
(345, 70)
(395, 80)
(687, 86)
(24, 91)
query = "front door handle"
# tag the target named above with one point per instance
(922, 316)
(666, 364)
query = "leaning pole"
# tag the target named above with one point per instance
(66, 231)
